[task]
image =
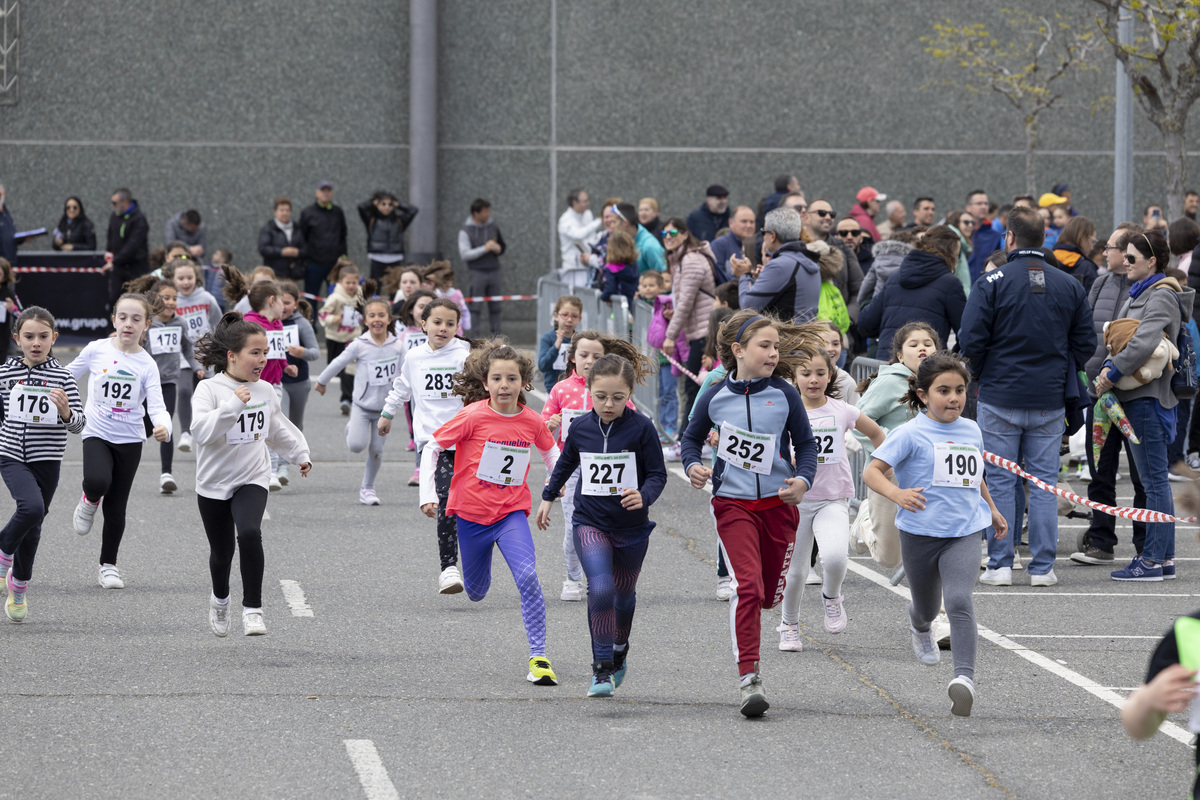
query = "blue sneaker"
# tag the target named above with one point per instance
(602, 680)
(1168, 568)
(618, 669)
(1138, 570)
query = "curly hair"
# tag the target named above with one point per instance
(231, 333)
(796, 342)
(471, 383)
(613, 345)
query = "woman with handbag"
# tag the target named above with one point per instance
(1161, 306)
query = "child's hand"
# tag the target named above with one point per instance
(242, 393)
(999, 523)
(631, 500)
(429, 510)
(714, 438)
(319, 388)
(558, 338)
(794, 492)
(554, 422)
(59, 398)
(543, 515)
(161, 434)
(913, 500)
(384, 426)
(668, 312)
(699, 475)
(295, 350)
(1171, 690)
(200, 374)
(305, 468)
(669, 347)
(291, 370)
(706, 362)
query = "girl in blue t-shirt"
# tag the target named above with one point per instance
(944, 504)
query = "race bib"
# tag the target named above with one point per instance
(435, 383)
(831, 445)
(165, 340)
(957, 465)
(503, 464)
(381, 372)
(564, 351)
(607, 474)
(746, 450)
(118, 398)
(32, 405)
(350, 317)
(276, 345)
(569, 415)
(414, 340)
(291, 335)
(251, 425)
(195, 323)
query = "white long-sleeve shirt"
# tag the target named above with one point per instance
(379, 367)
(424, 377)
(118, 383)
(232, 436)
(576, 230)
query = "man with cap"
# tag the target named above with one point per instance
(712, 216)
(869, 199)
(323, 229)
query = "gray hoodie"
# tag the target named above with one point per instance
(888, 255)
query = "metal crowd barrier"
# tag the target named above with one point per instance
(861, 368)
(645, 397)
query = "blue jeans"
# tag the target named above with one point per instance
(668, 403)
(314, 276)
(1151, 459)
(1036, 436)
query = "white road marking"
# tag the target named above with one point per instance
(294, 596)
(1080, 594)
(371, 773)
(266, 515)
(1074, 636)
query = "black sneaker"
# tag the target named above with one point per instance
(1093, 555)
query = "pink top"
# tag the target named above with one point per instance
(273, 371)
(830, 423)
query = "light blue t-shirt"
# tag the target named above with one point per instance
(950, 512)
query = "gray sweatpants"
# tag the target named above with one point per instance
(944, 568)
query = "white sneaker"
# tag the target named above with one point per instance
(110, 578)
(1084, 473)
(1017, 564)
(789, 638)
(925, 647)
(1000, 576)
(962, 696)
(835, 614)
(166, 483)
(706, 452)
(85, 513)
(724, 588)
(672, 453)
(450, 581)
(367, 497)
(282, 474)
(941, 631)
(185, 442)
(814, 578)
(218, 616)
(252, 622)
(1049, 579)
(274, 485)
(572, 590)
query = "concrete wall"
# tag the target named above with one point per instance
(223, 107)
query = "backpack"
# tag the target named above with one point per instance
(1184, 380)
(832, 306)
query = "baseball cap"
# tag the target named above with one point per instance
(869, 193)
(324, 185)
(1050, 199)
(716, 190)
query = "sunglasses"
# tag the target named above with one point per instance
(670, 232)
(844, 234)
(1130, 259)
(823, 213)
(72, 207)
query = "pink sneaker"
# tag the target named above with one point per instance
(412, 445)
(415, 480)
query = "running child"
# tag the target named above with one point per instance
(121, 376)
(623, 474)
(301, 345)
(199, 311)
(257, 275)
(556, 342)
(406, 281)
(944, 507)
(495, 432)
(763, 431)
(424, 383)
(378, 354)
(410, 324)
(342, 322)
(39, 403)
(170, 348)
(438, 277)
(834, 345)
(237, 419)
(825, 511)
(567, 401)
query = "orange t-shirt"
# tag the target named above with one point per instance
(472, 498)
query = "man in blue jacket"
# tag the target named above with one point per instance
(1021, 323)
(712, 216)
(741, 228)
(985, 240)
(789, 284)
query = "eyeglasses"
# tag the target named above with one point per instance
(844, 234)
(567, 315)
(1108, 247)
(820, 212)
(671, 232)
(764, 232)
(603, 400)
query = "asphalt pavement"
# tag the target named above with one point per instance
(370, 684)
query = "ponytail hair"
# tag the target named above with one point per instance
(231, 333)
(302, 305)
(611, 364)
(236, 288)
(642, 367)
(932, 366)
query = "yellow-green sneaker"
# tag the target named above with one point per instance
(13, 610)
(540, 672)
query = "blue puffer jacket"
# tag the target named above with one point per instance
(923, 289)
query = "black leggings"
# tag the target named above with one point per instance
(166, 449)
(108, 473)
(244, 513)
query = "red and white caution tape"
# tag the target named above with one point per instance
(1136, 514)
(681, 368)
(57, 269)
(491, 297)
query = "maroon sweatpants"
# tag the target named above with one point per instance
(758, 537)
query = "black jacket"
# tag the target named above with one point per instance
(81, 235)
(127, 241)
(385, 233)
(1073, 261)
(324, 232)
(923, 289)
(271, 242)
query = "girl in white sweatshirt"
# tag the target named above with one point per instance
(377, 354)
(425, 379)
(199, 312)
(236, 416)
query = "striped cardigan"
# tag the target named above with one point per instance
(27, 443)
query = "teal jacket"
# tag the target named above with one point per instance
(882, 401)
